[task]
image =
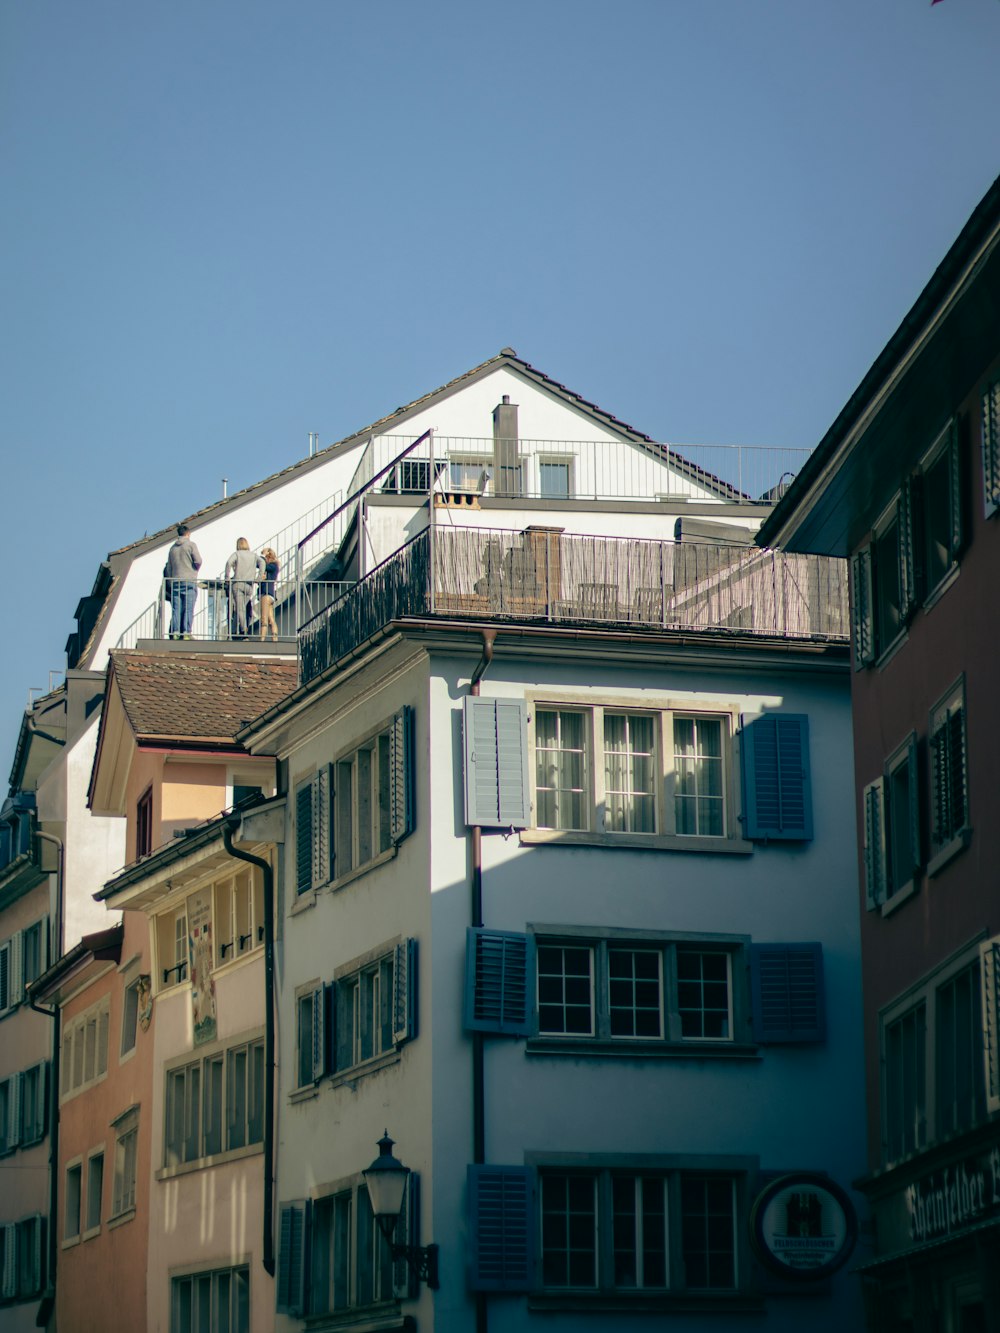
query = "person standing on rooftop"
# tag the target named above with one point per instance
(181, 575)
(243, 569)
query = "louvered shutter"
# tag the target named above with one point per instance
(303, 837)
(862, 616)
(907, 511)
(16, 978)
(496, 763)
(401, 759)
(5, 977)
(989, 973)
(10, 1260)
(874, 849)
(321, 827)
(787, 990)
(318, 1033)
(404, 981)
(406, 1284)
(913, 813)
(290, 1282)
(14, 1101)
(501, 1231)
(37, 1243)
(777, 792)
(499, 981)
(991, 448)
(956, 490)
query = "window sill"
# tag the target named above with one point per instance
(601, 1302)
(657, 842)
(305, 1094)
(91, 1232)
(343, 880)
(371, 1066)
(935, 595)
(215, 1159)
(948, 852)
(901, 896)
(623, 1048)
(303, 902)
(121, 1218)
(70, 1243)
(889, 652)
(365, 1319)
(232, 964)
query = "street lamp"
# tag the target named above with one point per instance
(386, 1180)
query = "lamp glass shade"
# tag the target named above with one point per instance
(386, 1181)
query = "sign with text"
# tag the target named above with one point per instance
(803, 1226)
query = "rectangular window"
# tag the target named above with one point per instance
(33, 1103)
(627, 773)
(609, 1229)
(144, 824)
(213, 1302)
(34, 950)
(215, 1104)
(364, 1013)
(940, 496)
(959, 1050)
(130, 1016)
(949, 772)
(71, 1224)
(362, 805)
(238, 907)
(95, 1190)
(30, 1265)
(126, 1155)
(84, 1058)
(554, 479)
(704, 993)
(905, 1059)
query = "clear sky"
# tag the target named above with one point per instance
(227, 223)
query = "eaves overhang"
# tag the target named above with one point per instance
(929, 365)
(81, 964)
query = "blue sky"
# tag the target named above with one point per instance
(228, 224)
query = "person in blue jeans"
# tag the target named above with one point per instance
(181, 575)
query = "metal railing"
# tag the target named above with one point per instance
(582, 469)
(217, 617)
(494, 574)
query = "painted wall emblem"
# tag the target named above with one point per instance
(200, 959)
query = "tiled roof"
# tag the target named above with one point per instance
(192, 696)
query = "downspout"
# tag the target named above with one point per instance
(478, 1063)
(48, 1300)
(269, 1069)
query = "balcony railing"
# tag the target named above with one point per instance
(580, 469)
(216, 617)
(539, 575)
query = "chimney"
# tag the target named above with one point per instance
(506, 466)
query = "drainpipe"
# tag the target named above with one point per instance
(57, 949)
(478, 1063)
(228, 830)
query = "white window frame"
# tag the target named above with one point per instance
(95, 1173)
(72, 1202)
(75, 1037)
(365, 836)
(239, 1279)
(663, 712)
(941, 730)
(126, 1156)
(180, 1076)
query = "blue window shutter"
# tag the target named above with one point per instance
(777, 792)
(786, 982)
(290, 1282)
(304, 837)
(404, 1012)
(501, 1228)
(402, 780)
(499, 981)
(496, 763)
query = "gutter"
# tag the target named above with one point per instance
(230, 826)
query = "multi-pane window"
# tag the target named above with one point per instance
(95, 1190)
(949, 769)
(333, 1256)
(23, 1107)
(609, 1230)
(214, 1302)
(71, 1202)
(939, 1056)
(892, 848)
(609, 770)
(699, 793)
(126, 1129)
(215, 1104)
(23, 957)
(22, 1258)
(238, 922)
(554, 479)
(363, 1008)
(144, 824)
(130, 1016)
(616, 990)
(34, 950)
(84, 1057)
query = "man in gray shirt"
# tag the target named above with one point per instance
(181, 574)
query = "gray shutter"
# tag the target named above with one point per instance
(5, 1001)
(16, 980)
(404, 1006)
(862, 619)
(9, 1260)
(991, 448)
(401, 751)
(874, 847)
(989, 973)
(318, 1033)
(304, 837)
(14, 1118)
(913, 814)
(956, 536)
(777, 790)
(321, 827)
(501, 1232)
(496, 763)
(907, 510)
(499, 981)
(786, 982)
(293, 1238)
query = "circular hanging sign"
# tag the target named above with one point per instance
(803, 1226)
